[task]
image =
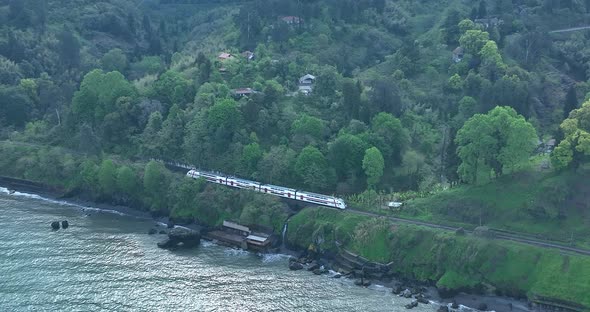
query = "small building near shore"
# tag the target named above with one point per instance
(258, 240)
(235, 228)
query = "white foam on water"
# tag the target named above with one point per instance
(206, 243)
(378, 287)
(268, 258)
(236, 252)
(60, 202)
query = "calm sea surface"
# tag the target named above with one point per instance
(107, 262)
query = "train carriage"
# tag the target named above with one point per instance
(278, 190)
(211, 177)
(243, 184)
(320, 199)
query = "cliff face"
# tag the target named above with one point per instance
(452, 262)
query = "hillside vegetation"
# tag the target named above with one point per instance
(370, 100)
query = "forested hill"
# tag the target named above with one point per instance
(389, 105)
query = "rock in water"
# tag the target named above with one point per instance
(162, 232)
(422, 300)
(443, 308)
(170, 225)
(482, 307)
(397, 289)
(152, 231)
(406, 293)
(181, 237)
(64, 224)
(55, 225)
(412, 305)
(454, 305)
(295, 266)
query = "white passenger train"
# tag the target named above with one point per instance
(285, 192)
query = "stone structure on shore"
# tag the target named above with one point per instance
(181, 237)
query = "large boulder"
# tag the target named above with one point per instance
(313, 266)
(181, 237)
(396, 289)
(443, 308)
(421, 299)
(406, 293)
(64, 224)
(412, 304)
(295, 266)
(55, 225)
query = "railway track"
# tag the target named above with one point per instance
(523, 239)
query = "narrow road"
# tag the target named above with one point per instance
(497, 235)
(569, 29)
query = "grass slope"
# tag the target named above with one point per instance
(452, 262)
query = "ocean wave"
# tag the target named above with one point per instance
(236, 252)
(59, 202)
(269, 258)
(206, 243)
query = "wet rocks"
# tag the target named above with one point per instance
(482, 307)
(313, 266)
(162, 232)
(421, 299)
(454, 305)
(181, 237)
(443, 308)
(412, 304)
(295, 266)
(55, 225)
(362, 282)
(152, 231)
(406, 293)
(396, 289)
(65, 224)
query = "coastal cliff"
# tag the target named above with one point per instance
(451, 262)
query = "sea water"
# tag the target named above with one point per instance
(106, 261)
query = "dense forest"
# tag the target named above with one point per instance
(401, 97)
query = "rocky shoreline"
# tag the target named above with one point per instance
(419, 292)
(422, 294)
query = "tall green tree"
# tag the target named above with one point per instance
(98, 95)
(107, 177)
(127, 182)
(473, 40)
(114, 60)
(312, 168)
(389, 136)
(499, 141)
(574, 149)
(373, 164)
(155, 185)
(346, 156)
(68, 49)
(171, 136)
